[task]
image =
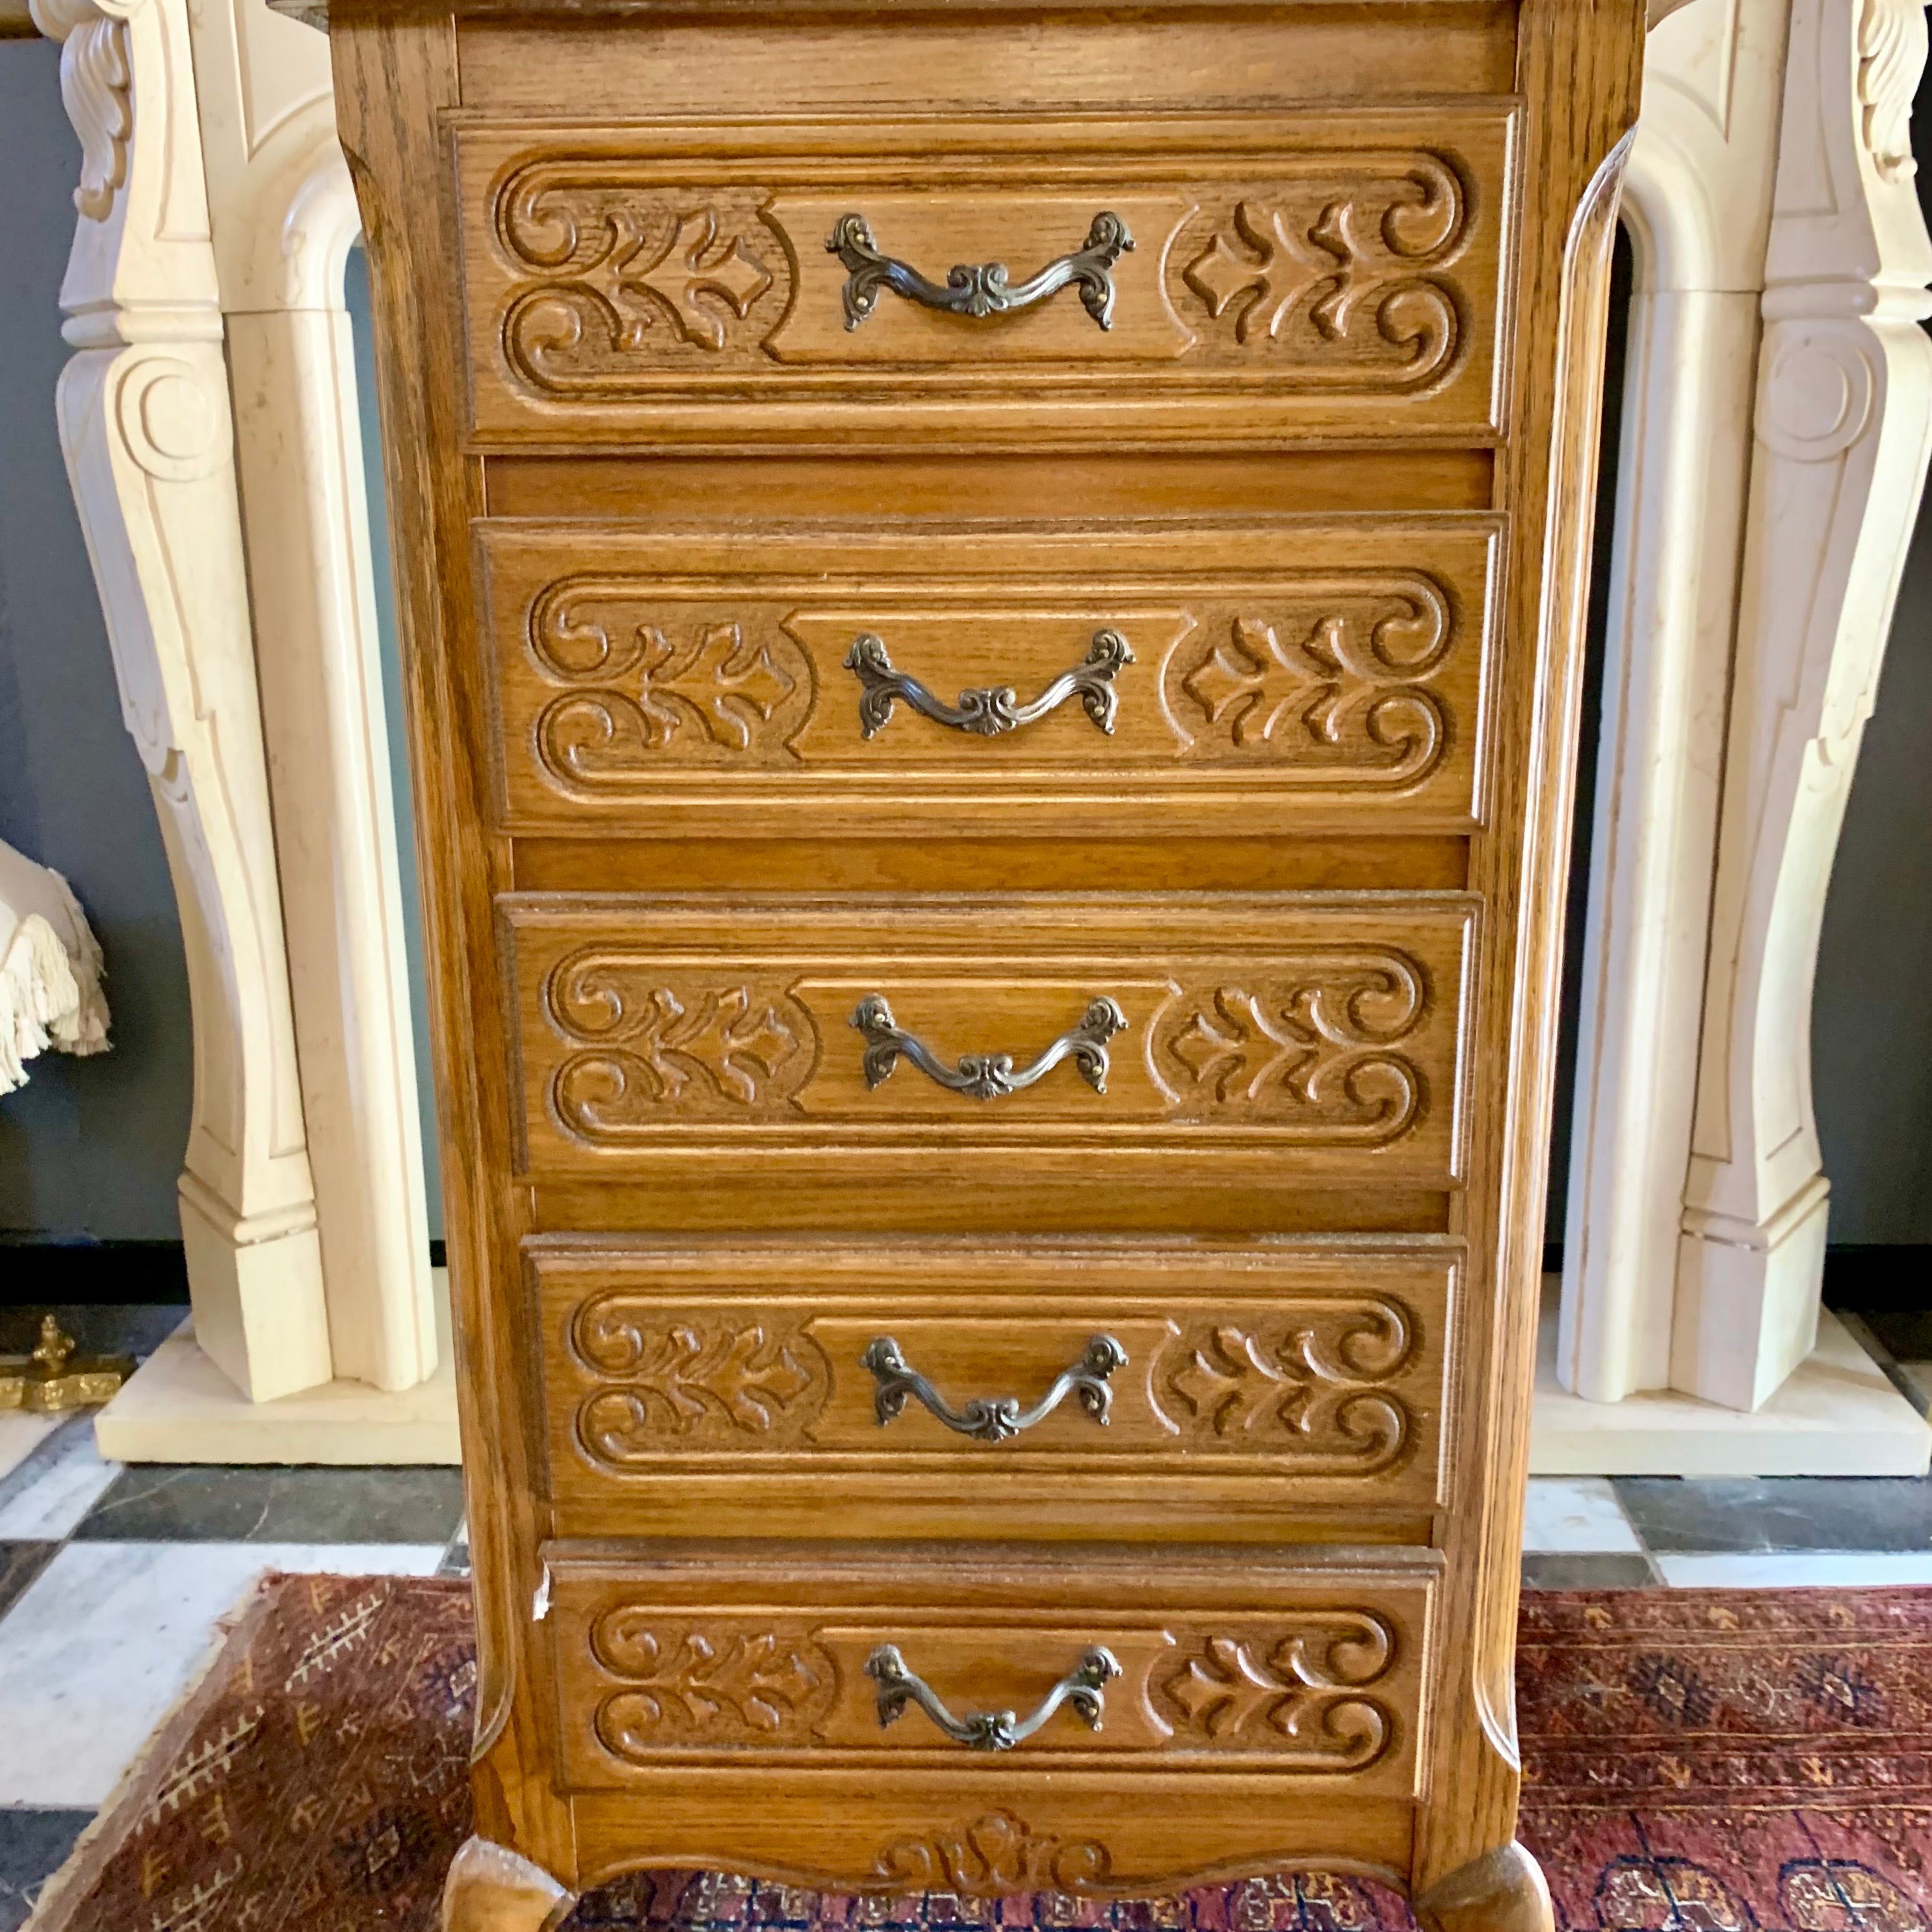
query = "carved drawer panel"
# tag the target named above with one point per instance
(988, 1661)
(846, 1379)
(1069, 1034)
(1214, 675)
(1237, 278)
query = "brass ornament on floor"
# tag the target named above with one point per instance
(52, 1380)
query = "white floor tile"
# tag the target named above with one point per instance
(1566, 1513)
(48, 1497)
(110, 1634)
(1810, 1569)
(20, 1435)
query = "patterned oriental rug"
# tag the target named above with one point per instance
(1695, 1762)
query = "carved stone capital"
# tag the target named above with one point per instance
(141, 265)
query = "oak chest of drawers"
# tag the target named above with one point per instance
(991, 594)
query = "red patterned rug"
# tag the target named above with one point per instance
(1695, 1761)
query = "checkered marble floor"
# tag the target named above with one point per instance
(113, 1581)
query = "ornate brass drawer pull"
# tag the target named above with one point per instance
(988, 712)
(981, 289)
(993, 1418)
(986, 1076)
(1082, 1686)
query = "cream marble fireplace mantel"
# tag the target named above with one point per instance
(1775, 444)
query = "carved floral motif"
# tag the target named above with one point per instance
(997, 1852)
(97, 88)
(685, 1380)
(611, 270)
(1310, 1384)
(654, 686)
(683, 1686)
(654, 1046)
(1891, 57)
(1331, 266)
(1297, 1692)
(1313, 1045)
(1335, 271)
(1336, 683)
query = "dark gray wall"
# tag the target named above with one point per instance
(88, 1147)
(1871, 1040)
(1871, 1043)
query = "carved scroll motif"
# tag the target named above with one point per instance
(651, 684)
(1892, 42)
(96, 86)
(1334, 272)
(1336, 268)
(1311, 1385)
(656, 1046)
(1297, 1692)
(1334, 682)
(1313, 1046)
(613, 272)
(684, 1687)
(674, 1381)
(995, 1853)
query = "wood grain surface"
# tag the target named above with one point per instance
(1325, 475)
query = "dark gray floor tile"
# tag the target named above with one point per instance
(1907, 1333)
(34, 1845)
(102, 1328)
(20, 1563)
(1750, 1513)
(168, 1503)
(1587, 1570)
(455, 1559)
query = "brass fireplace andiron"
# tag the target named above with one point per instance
(51, 1381)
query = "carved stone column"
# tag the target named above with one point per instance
(284, 218)
(1844, 400)
(1697, 200)
(145, 422)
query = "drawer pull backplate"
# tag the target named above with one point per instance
(986, 1076)
(988, 712)
(1083, 1687)
(979, 288)
(993, 1418)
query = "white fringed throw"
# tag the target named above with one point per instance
(50, 970)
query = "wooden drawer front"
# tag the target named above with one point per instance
(1220, 676)
(1331, 272)
(1288, 1375)
(1329, 1029)
(1310, 1671)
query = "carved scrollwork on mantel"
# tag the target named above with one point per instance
(1819, 388)
(1334, 681)
(1315, 1045)
(173, 420)
(1891, 50)
(650, 1046)
(97, 87)
(1312, 1383)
